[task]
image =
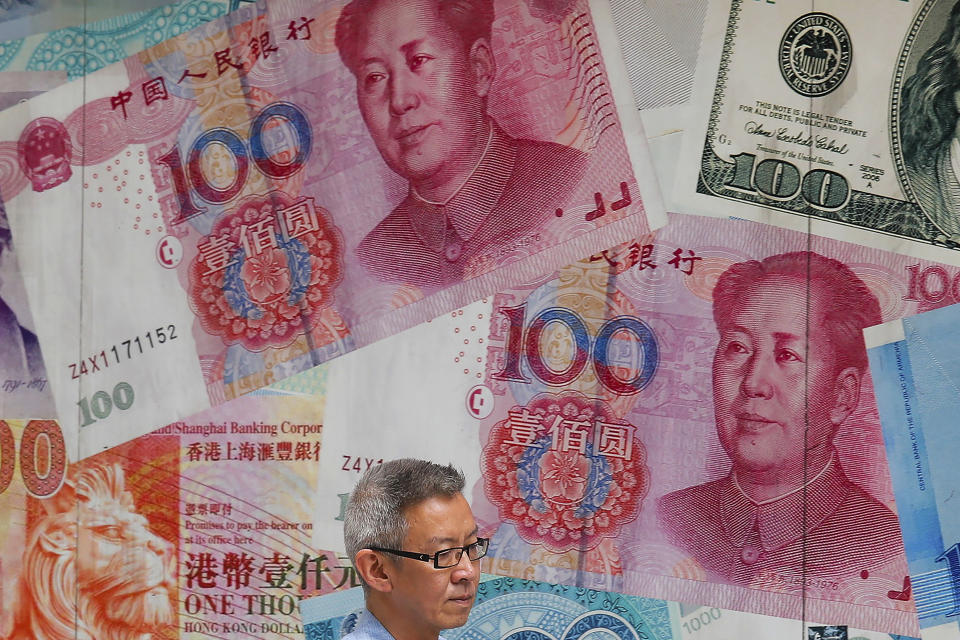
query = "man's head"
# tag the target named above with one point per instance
(413, 506)
(930, 101)
(787, 370)
(423, 70)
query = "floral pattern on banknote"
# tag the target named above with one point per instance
(565, 470)
(250, 283)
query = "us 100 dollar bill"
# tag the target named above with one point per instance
(838, 115)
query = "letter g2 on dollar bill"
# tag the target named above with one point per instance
(839, 115)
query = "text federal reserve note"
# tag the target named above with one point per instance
(915, 363)
(284, 184)
(840, 116)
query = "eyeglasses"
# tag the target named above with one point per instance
(445, 558)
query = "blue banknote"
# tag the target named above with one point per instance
(915, 365)
(511, 608)
(515, 609)
(85, 48)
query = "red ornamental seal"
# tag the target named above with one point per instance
(565, 471)
(44, 152)
(265, 271)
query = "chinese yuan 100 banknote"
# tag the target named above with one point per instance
(836, 114)
(281, 185)
(200, 529)
(641, 419)
(915, 365)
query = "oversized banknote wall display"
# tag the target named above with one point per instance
(251, 249)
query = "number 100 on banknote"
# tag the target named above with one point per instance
(289, 182)
(838, 117)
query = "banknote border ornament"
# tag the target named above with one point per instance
(564, 499)
(817, 25)
(266, 300)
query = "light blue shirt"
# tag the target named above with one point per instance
(369, 628)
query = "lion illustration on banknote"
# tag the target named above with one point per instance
(92, 569)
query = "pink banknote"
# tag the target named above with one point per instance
(200, 529)
(691, 417)
(294, 180)
(686, 416)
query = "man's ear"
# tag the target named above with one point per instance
(374, 569)
(847, 392)
(482, 65)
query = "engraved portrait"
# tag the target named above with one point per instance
(424, 72)
(928, 119)
(787, 374)
(20, 358)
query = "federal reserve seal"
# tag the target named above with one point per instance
(815, 54)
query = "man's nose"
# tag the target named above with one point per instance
(756, 379)
(466, 569)
(404, 94)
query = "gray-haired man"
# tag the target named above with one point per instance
(413, 541)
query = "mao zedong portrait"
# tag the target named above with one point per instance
(424, 71)
(786, 376)
(930, 128)
(413, 541)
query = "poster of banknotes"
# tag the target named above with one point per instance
(673, 284)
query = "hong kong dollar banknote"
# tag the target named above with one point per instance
(283, 184)
(839, 117)
(914, 362)
(200, 529)
(653, 420)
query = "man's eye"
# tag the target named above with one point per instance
(418, 61)
(446, 556)
(372, 79)
(737, 348)
(786, 355)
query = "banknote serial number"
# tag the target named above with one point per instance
(125, 350)
(353, 463)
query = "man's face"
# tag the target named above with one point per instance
(437, 598)
(768, 382)
(419, 95)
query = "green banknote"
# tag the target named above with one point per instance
(839, 118)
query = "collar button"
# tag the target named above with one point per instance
(750, 555)
(453, 251)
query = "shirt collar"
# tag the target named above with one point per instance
(462, 215)
(368, 625)
(780, 521)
